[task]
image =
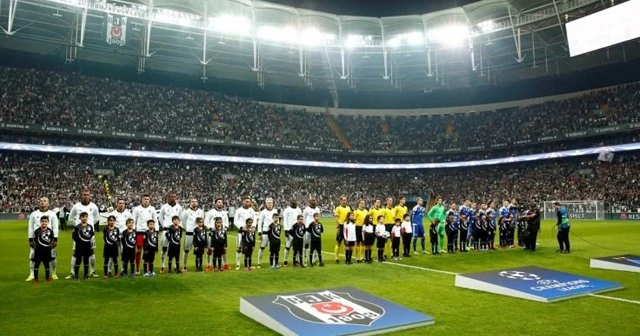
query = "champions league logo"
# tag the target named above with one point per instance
(545, 284)
(329, 307)
(519, 275)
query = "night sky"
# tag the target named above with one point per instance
(375, 8)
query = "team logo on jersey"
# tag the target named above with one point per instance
(518, 275)
(300, 231)
(131, 239)
(250, 236)
(153, 239)
(85, 233)
(328, 307)
(112, 236)
(317, 230)
(45, 238)
(177, 235)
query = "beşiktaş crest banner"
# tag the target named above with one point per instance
(332, 311)
(116, 30)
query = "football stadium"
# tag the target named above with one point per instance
(319, 167)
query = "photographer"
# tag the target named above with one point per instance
(532, 227)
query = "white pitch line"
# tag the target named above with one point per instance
(614, 298)
(410, 266)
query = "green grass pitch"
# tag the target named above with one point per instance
(207, 303)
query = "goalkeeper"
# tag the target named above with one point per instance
(438, 212)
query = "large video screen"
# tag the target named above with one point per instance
(608, 27)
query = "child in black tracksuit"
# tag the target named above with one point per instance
(174, 236)
(150, 248)
(315, 231)
(274, 242)
(248, 242)
(298, 230)
(218, 242)
(433, 236)
(450, 229)
(111, 236)
(82, 236)
(42, 242)
(463, 227)
(199, 243)
(128, 247)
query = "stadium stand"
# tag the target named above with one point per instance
(58, 99)
(26, 177)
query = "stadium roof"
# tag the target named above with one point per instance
(485, 42)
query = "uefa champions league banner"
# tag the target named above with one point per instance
(534, 283)
(116, 30)
(334, 311)
(626, 262)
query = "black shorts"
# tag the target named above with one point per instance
(349, 243)
(149, 255)
(128, 254)
(389, 227)
(381, 242)
(340, 234)
(110, 252)
(369, 239)
(359, 238)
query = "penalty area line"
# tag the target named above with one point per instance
(614, 298)
(410, 266)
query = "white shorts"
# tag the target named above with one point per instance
(288, 240)
(164, 241)
(265, 241)
(93, 243)
(307, 238)
(32, 253)
(54, 252)
(188, 242)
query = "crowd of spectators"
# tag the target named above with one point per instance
(26, 177)
(60, 99)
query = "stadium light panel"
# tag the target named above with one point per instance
(452, 36)
(486, 26)
(354, 41)
(394, 42)
(286, 34)
(414, 38)
(314, 37)
(175, 17)
(230, 24)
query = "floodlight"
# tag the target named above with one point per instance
(230, 24)
(394, 42)
(312, 36)
(414, 38)
(450, 36)
(354, 41)
(486, 26)
(287, 34)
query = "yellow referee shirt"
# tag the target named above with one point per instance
(374, 213)
(400, 211)
(360, 215)
(389, 215)
(341, 213)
